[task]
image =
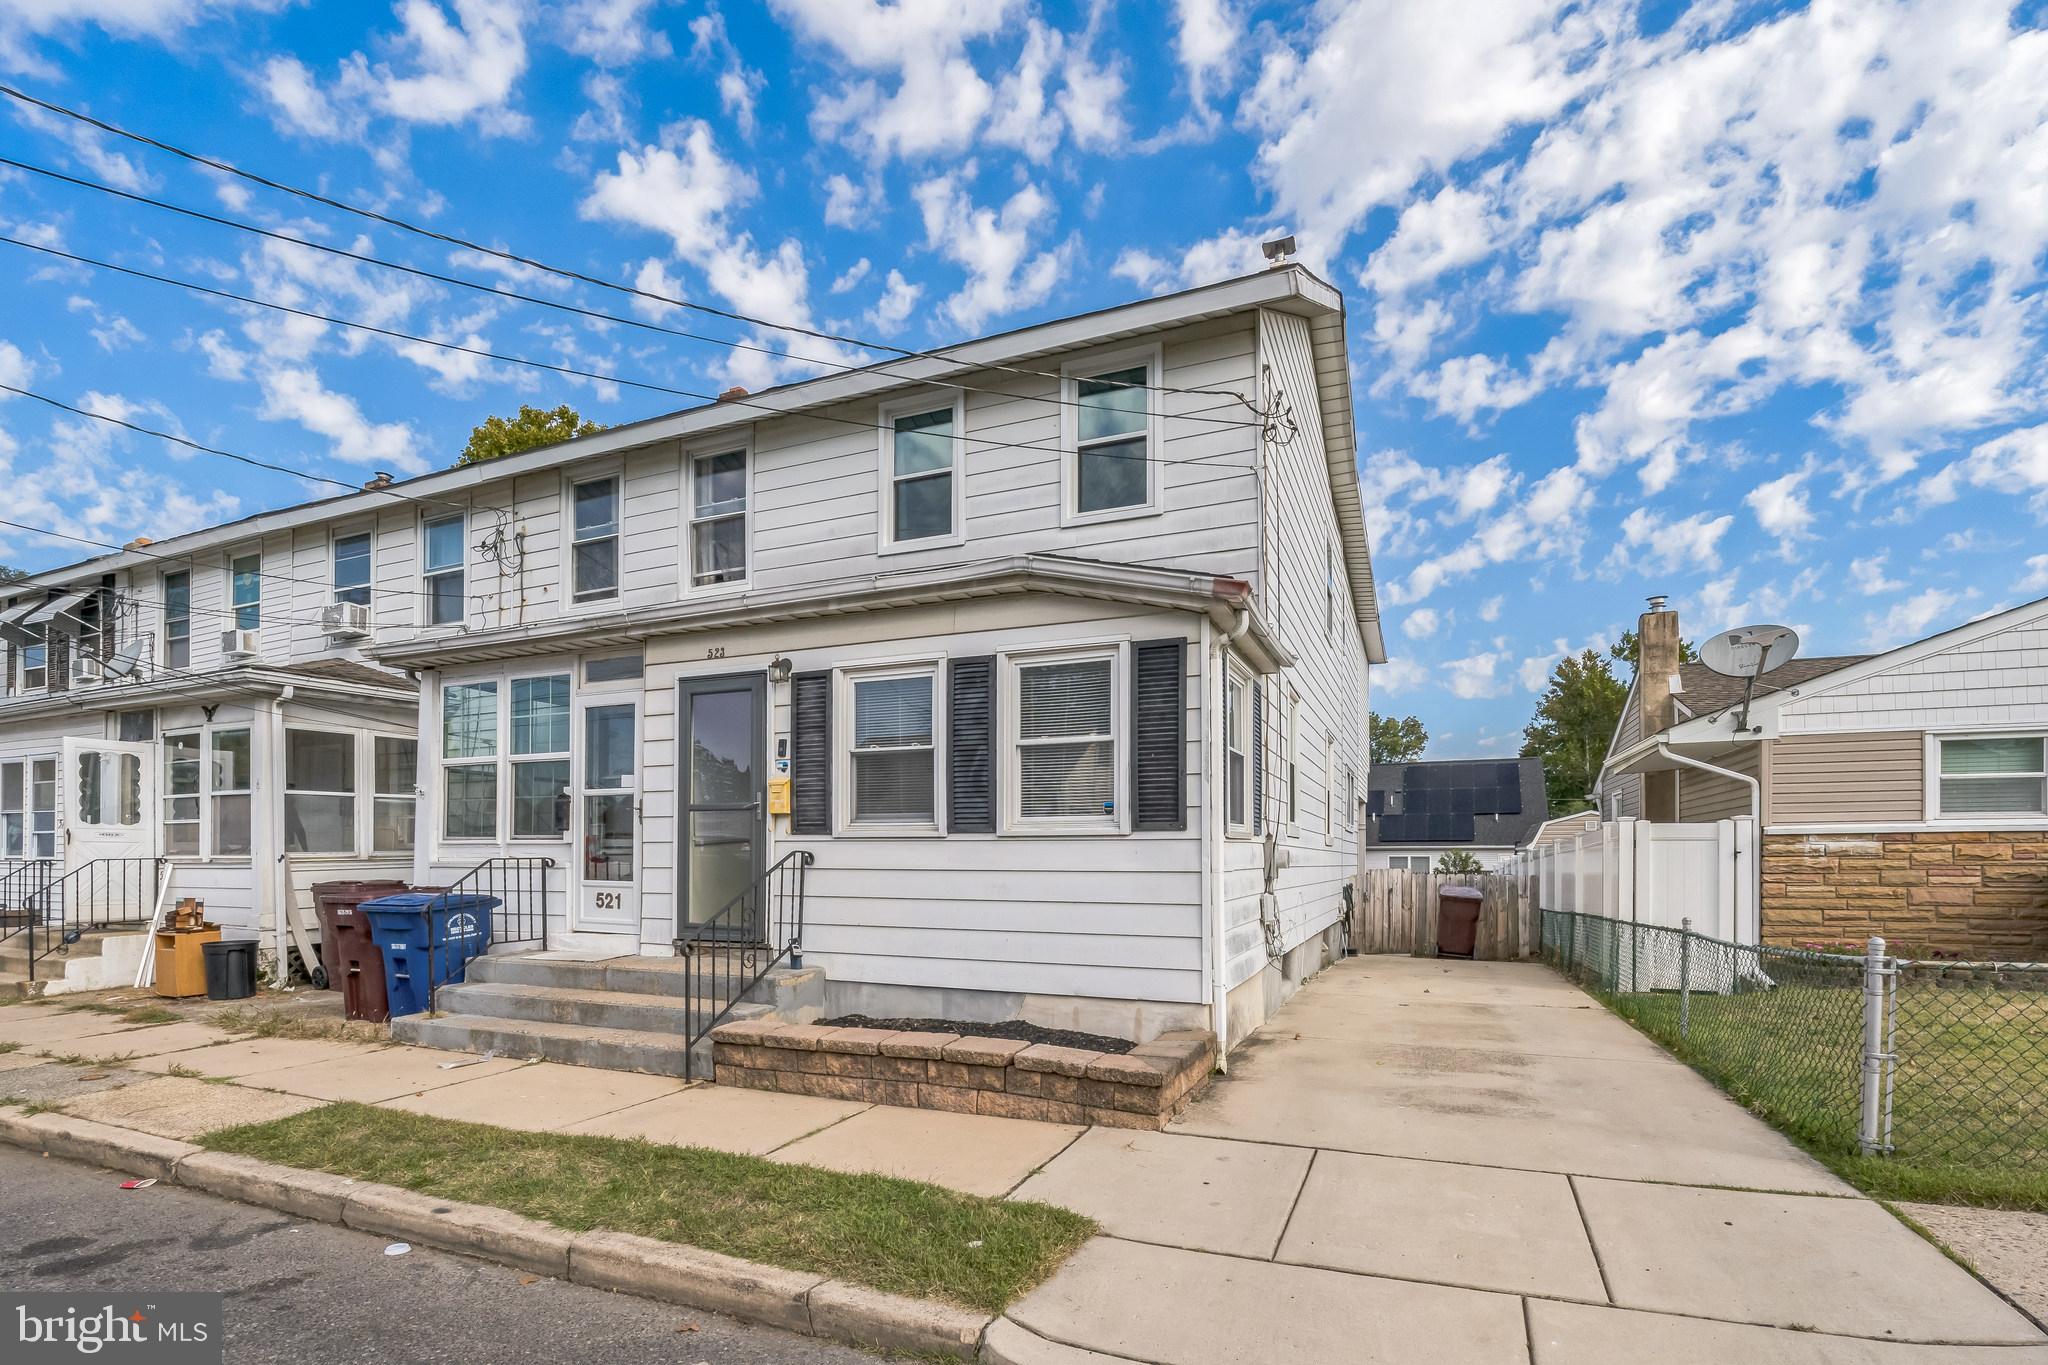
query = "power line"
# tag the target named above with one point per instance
(958, 438)
(449, 239)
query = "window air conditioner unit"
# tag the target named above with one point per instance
(239, 646)
(345, 620)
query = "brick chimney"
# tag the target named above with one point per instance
(1656, 671)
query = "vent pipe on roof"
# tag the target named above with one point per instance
(383, 479)
(728, 395)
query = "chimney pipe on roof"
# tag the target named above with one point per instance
(1656, 676)
(383, 479)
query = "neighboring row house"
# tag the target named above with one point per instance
(1033, 647)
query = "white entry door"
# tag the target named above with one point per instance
(607, 815)
(109, 795)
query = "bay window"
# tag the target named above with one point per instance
(894, 758)
(229, 791)
(594, 543)
(182, 768)
(394, 793)
(540, 757)
(441, 566)
(921, 468)
(1993, 775)
(352, 568)
(1065, 740)
(469, 755)
(718, 519)
(319, 791)
(1112, 441)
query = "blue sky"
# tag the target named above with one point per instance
(1737, 303)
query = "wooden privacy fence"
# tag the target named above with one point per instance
(1397, 913)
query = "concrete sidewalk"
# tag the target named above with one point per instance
(1472, 1162)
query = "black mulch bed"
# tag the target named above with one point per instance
(1010, 1028)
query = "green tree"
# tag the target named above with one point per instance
(1624, 650)
(1575, 719)
(10, 574)
(1397, 739)
(532, 427)
(1458, 862)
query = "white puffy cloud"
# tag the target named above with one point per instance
(2015, 464)
(2036, 579)
(852, 275)
(1399, 674)
(995, 246)
(1869, 576)
(892, 310)
(739, 85)
(1911, 618)
(1780, 507)
(611, 32)
(1207, 34)
(23, 21)
(1421, 623)
(1477, 675)
(448, 66)
(1653, 543)
(847, 201)
(1489, 610)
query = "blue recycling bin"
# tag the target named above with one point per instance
(427, 939)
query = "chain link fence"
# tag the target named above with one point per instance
(1937, 1063)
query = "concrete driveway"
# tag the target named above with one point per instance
(1473, 1162)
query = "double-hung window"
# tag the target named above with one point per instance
(177, 590)
(1112, 441)
(540, 757)
(319, 791)
(229, 791)
(1066, 740)
(182, 767)
(245, 574)
(13, 825)
(441, 564)
(42, 808)
(1994, 775)
(894, 758)
(718, 519)
(35, 658)
(352, 568)
(1350, 798)
(1293, 760)
(921, 462)
(1237, 749)
(395, 795)
(469, 760)
(594, 541)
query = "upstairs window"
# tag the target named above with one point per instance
(1993, 775)
(352, 569)
(1066, 741)
(177, 589)
(894, 758)
(718, 519)
(35, 658)
(1112, 457)
(922, 466)
(441, 564)
(246, 587)
(594, 546)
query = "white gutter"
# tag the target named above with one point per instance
(273, 816)
(1756, 824)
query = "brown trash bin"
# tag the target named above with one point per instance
(353, 962)
(1457, 921)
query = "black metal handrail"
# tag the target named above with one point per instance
(20, 881)
(98, 894)
(728, 953)
(519, 885)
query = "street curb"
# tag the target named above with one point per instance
(795, 1301)
(1008, 1343)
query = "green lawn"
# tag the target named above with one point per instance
(894, 1235)
(1970, 1103)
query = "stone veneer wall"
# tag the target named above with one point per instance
(1974, 894)
(1142, 1088)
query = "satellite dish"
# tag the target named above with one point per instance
(1750, 651)
(127, 659)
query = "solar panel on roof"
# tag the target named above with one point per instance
(1462, 800)
(1463, 828)
(1442, 827)
(1508, 775)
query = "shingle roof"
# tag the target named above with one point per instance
(1707, 692)
(1451, 802)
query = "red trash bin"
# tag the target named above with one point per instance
(1457, 921)
(353, 962)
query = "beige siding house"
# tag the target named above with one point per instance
(1901, 794)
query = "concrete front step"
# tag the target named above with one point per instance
(575, 1005)
(14, 953)
(797, 994)
(611, 1049)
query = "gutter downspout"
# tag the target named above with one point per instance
(1212, 827)
(273, 817)
(1756, 824)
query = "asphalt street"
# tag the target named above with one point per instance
(299, 1291)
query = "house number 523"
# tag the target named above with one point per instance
(715, 652)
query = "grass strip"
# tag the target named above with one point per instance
(899, 1236)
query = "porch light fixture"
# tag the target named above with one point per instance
(779, 670)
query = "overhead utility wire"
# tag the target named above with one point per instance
(449, 239)
(593, 375)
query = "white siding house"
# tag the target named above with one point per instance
(1050, 650)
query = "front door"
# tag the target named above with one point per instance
(110, 791)
(722, 813)
(607, 898)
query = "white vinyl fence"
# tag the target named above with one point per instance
(1652, 874)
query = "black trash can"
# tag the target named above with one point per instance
(231, 969)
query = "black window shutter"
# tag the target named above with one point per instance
(810, 753)
(1258, 754)
(970, 746)
(1159, 735)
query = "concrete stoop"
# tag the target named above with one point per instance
(617, 1014)
(84, 965)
